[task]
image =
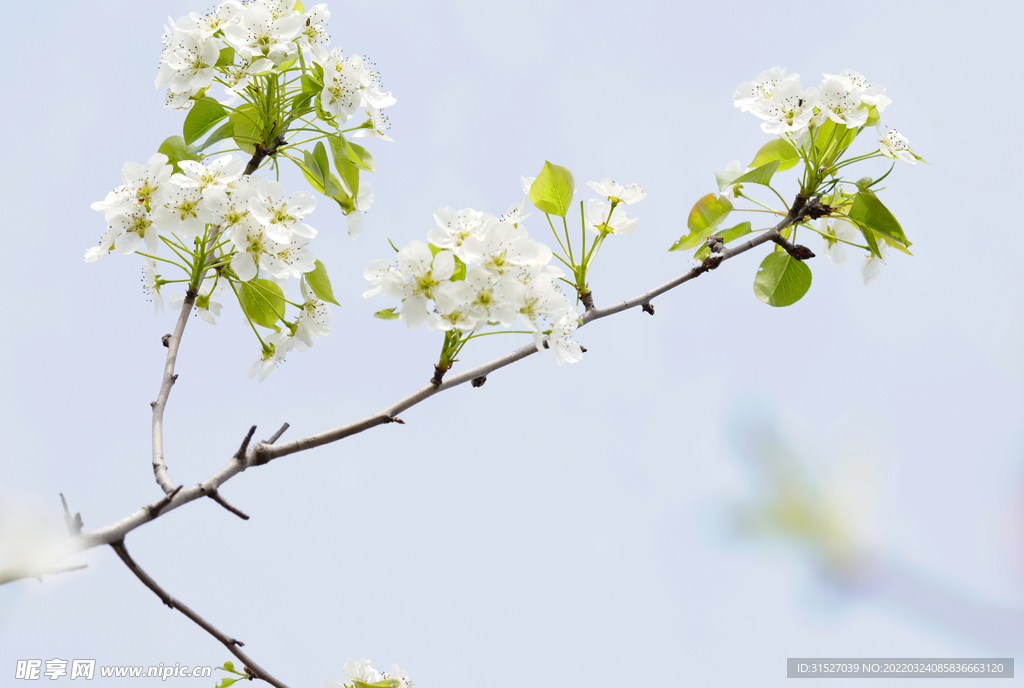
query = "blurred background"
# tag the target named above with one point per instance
(711, 491)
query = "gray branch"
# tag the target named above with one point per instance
(159, 466)
(251, 667)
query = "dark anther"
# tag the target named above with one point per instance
(479, 381)
(166, 340)
(647, 308)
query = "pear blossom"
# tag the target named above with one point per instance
(206, 307)
(488, 302)
(188, 63)
(131, 228)
(226, 210)
(239, 76)
(840, 229)
(617, 193)
(363, 201)
(749, 94)
(602, 219)
(454, 308)
(279, 215)
(378, 124)
(894, 145)
(182, 213)
(313, 36)
(228, 12)
(375, 273)
(348, 85)
(535, 300)
(562, 348)
(500, 246)
(871, 268)
(314, 319)
(265, 31)
(516, 212)
(145, 183)
(789, 111)
(841, 105)
(419, 271)
(216, 174)
(255, 251)
(869, 93)
(150, 284)
(364, 673)
(454, 227)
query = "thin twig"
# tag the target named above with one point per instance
(230, 643)
(159, 466)
(277, 435)
(215, 496)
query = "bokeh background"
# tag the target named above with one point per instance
(711, 491)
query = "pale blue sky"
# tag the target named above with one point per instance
(560, 524)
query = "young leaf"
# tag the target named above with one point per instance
(204, 114)
(759, 175)
(387, 314)
(175, 149)
(776, 149)
(225, 682)
(867, 211)
(726, 178)
(248, 127)
(320, 284)
(553, 189)
(782, 280)
(227, 56)
(706, 214)
(320, 156)
(359, 155)
(262, 301)
(348, 170)
(726, 236)
(224, 131)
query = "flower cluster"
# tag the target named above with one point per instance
(238, 41)
(244, 229)
(480, 270)
(366, 674)
(790, 111)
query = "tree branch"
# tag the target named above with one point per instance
(230, 643)
(264, 452)
(163, 479)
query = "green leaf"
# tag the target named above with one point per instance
(706, 214)
(175, 149)
(387, 314)
(320, 156)
(759, 175)
(726, 236)
(868, 212)
(300, 106)
(310, 85)
(776, 149)
(321, 284)
(348, 170)
(227, 56)
(248, 127)
(298, 7)
(323, 114)
(224, 131)
(837, 137)
(460, 270)
(225, 682)
(262, 301)
(782, 280)
(553, 189)
(204, 114)
(359, 155)
(725, 178)
(386, 683)
(230, 666)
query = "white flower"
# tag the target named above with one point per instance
(255, 251)
(264, 32)
(375, 273)
(217, 174)
(363, 673)
(454, 227)
(150, 275)
(840, 229)
(187, 65)
(489, 301)
(131, 228)
(601, 219)
(841, 105)
(537, 299)
(500, 246)
(516, 212)
(182, 213)
(378, 125)
(871, 268)
(789, 111)
(145, 184)
(348, 85)
(454, 308)
(419, 271)
(527, 183)
(763, 88)
(562, 348)
(616, 193)
(315, 319)
(206, 307)
(854, 82)
(894, 145)
(238, 76)
(313, 36)
(279, 215)
(363, 201)
(226, 210)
